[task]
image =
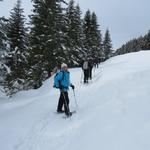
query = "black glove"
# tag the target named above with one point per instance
(72, 86)
(54, 86)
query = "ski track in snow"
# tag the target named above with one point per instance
(40, 128)
(113, 111)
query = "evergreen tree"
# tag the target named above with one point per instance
(47, 40)
(93, 37)
(74, 33)
(107, 45)
(16, 33)
(147, 41)
(135, 45)
(3, 36)
(87, 33)
(3, 52)
(80, 35)
(96, 37)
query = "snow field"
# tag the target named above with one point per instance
(113, 111)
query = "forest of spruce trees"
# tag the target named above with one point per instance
(56, 33)
(135, 45)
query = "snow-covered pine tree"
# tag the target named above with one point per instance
(74, 33)
(107, 45)
(3, 51)
(47, 48)
(147, 41)
(16, 33)
(87, 33)
(134, 45)
(93, 37)
(80, 35)
(96, 38)
(3, 35)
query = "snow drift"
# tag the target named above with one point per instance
(113, 111)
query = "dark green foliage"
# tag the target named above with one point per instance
(3, 38)
(96, 37)
(74, 42)
(93, 37)
(47, 39)
(146, 42)
(3, 30)
(56, 35)
(87, 32)
(135, 45)
(16, 33)
(2, 35)
(3, 43)
(107, 45)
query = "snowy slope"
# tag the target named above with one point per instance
(113, 111)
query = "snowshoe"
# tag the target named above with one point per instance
(69, 115)
(60, 111)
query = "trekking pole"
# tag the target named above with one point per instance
(75, 98)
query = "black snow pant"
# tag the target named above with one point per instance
(63, 101)
(86, 75)
(90, 73)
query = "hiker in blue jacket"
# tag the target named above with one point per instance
(62, 82)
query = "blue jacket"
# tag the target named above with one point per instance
(62, 79)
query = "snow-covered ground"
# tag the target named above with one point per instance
(113, 113)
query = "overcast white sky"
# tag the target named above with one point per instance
(126, 19)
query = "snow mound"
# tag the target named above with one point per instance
(113, 111)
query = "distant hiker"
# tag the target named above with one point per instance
(85, 68)
(90, 65)
(62, 82)
(96, 62)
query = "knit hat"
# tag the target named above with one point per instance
(63, 65)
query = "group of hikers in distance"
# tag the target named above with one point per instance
(87, 66)
(62, 82)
